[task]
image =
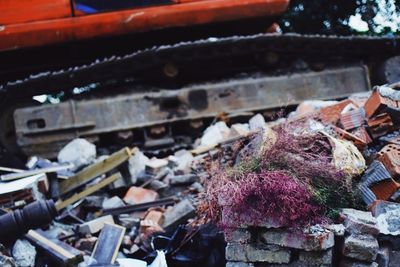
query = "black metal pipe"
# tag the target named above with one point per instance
(34, 215)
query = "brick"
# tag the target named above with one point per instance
(380, 125)
(361, 247)
(390, 158)
(352, 119)
(374, 104)
(238, 236)
(155, 216)
(308, 242)
(250, 253)
(317, 258)
(331, 114)
(136, 195)
(359, 142)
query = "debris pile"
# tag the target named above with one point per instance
(322, 166)
(319, 187)
(122, 209)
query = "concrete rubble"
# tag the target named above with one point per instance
(123, 208)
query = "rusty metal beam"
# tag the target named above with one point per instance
(36, 127)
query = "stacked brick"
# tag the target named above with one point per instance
(363, 239)
(261, 246)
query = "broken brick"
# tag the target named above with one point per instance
(360, 143)
(352, 119)
(380, 125)
(376, 103)
(390, 158)
(331, 114)
(136, 195)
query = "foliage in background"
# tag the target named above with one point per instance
(342, 17)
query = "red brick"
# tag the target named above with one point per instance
(390, 158)
(380, 125)
(331, 114)
(136, 195)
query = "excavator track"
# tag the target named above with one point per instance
(198, 61)
(201, 58)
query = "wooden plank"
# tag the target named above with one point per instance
(23, 174)
(107, 246)
(95, 170)
(64, 255)
(88, 191)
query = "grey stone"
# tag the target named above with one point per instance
(197, 187)
(178, 214)
(361, 247)
(308, 242)
(185, 160)
(24, 253)
(214, 134)
(157, 185)
(128, 221)
(359, 222)
(94, 201)
(383, 257)
(155, 165)
(337, 229)
(388, 214)
(238, 236)
(7, 261)
(183, 179)
(239, 264)
(114, 202)
(250, 253)
(79, 152)
(317, 258)
(137, 164)
(257, 122)
(354, 263)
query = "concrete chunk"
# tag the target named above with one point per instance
(359, 222)
(361, 247)
(308, 242)
(24, 253)
(114, 202)
(78, 152)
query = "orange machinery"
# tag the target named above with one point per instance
(33, 23)
(42, 35)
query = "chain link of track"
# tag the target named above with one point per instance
(206, 51)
